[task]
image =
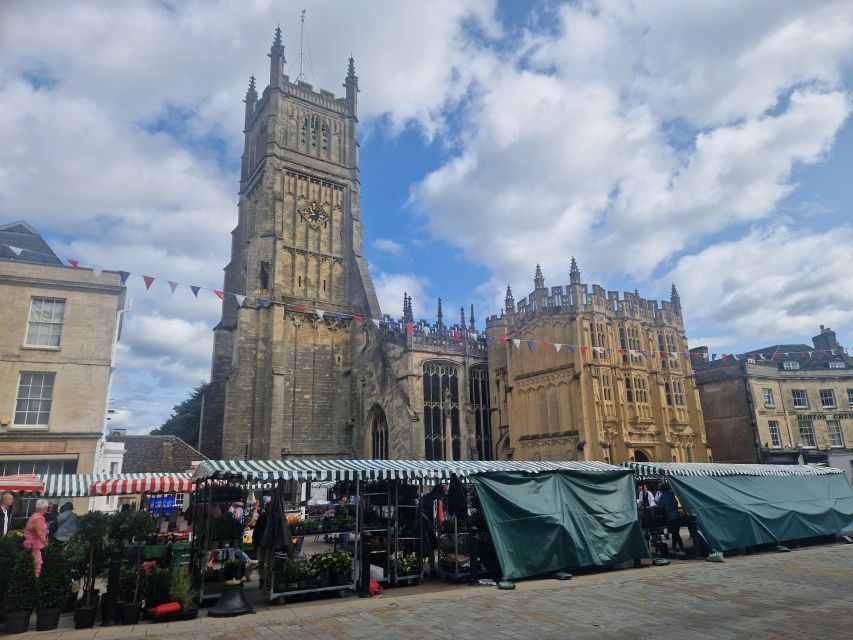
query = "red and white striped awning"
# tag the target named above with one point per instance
(23, 482)
(165, 483)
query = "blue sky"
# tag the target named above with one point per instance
(706, 144)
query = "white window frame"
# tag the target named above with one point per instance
(42, 325)
(836, 364)
(768, 397)
(806, 428)
(827, 395)
(775, 434)
(791, 365)
(805, 398)
(850, 397)
(29, 397)
(839, 441)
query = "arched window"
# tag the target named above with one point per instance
(640, 456)
(478, 398)
(441, 411)
(379, 434)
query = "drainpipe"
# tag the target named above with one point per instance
(750, 403)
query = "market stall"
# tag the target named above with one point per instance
(742, 505)
(580, 515)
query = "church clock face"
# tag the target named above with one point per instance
(314, 214)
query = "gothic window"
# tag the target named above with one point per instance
(668, 390)
(661, 350)
(325, 136)
(641, 391)
(265, 275)
(672, 345)
(629, 395)
(606, 387)
(478, 397)
(542, 401)
(315, 128)
(441, 411)
(379, 434)
(304, 131)
(678, 393)
(623, 344)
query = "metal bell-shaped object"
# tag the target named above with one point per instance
(232, 602)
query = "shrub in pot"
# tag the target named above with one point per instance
(342, 567)
(10, 547)
(21, 593)
(291, 573)
(181, 590)
(129, 594)
(157, 584)
(127, 526)
(89, 545)
(52, 588)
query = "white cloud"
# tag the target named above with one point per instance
(390, 288)
(388, 246)
(771, 285)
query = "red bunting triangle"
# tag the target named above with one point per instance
(148, 281)
(458, 335)
(503, 339)
(621, 350)
(583, 349)
(544, 345)
(359, 319)
(219, 294)
(410, 328)
(299, 308)
(74, 263)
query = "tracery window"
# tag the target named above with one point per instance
(441, 410)
(379, 435)
(478, 397)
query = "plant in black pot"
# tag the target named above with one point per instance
(90, 537)
(181, 591)
(291, 574)
(131, 588)
(21, 593)
(52, 588)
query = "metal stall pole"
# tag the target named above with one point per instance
(473, 577)
(364, 591)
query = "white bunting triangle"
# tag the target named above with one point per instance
(16, 250)
(516, 342)
(558, 346)
(97, 270)
(240, 299)
(375, 321)
(320, 312)
(172, 285)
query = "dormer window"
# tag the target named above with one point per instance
(836, 365)
(791, 365)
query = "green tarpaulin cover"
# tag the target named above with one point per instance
(559, 520)
(739, 511)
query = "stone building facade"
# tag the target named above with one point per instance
(58, 330)
(620, 388)
(783, 404)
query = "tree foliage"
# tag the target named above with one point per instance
(185, 418)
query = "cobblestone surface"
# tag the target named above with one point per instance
(803, 594)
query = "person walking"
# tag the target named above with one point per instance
(7, 498)
(670, 508)
(67, 521)
(35, 533)
(258, 543)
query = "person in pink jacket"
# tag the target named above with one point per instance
(35, 533)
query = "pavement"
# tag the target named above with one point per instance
(802, 594)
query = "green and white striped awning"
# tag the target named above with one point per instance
(715, 469)
(78, 485)
(376, 469)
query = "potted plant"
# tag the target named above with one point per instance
(90, 538)
(52, 588)
(182, 592)
(130, 587)
(10, 547)
(321, 566)
(291, 574)
(127, 526)
(157, 584)
(341, 567)
(21, 594)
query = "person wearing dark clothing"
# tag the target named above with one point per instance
(670, 508)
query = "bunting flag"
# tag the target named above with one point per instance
(517, 343)
(195, 290)
(375, 321)
(458, 335)
(16, 250)
(172, 285)
(300, 308)
(263, 303)
(124, 276)
(558, 347)
(148, 282)
(219, 294)
(97, 270)
(583, 349)
(503, 339)
(339, 316)
(410, 328)
(572, 348)
(359, 319)
(74, 263)
(530, 345)
(240, 299)
(545, 345)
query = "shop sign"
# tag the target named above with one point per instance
(842, 416)
(812, 416)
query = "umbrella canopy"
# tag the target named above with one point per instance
(23, 482)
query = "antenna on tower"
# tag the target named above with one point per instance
(301, 42)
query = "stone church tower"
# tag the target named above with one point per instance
(285, 382)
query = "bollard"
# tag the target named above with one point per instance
(474, 576)
(364, 591)
(109, 609)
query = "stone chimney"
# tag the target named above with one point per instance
(826, 340)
